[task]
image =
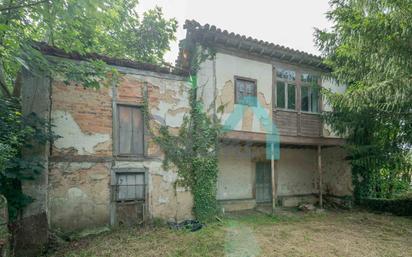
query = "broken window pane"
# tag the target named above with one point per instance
(280, 94)
(305, 99)
(291, 97)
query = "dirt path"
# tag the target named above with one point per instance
(240, 241)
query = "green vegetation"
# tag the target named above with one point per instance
(286, 234)
(193, 151)
(369, 49)
(399, 206)
(107, 27)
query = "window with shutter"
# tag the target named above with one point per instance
(130, 132)
(245, 91)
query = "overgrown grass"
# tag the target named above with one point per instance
(346, 233)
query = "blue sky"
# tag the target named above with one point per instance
(286, 22)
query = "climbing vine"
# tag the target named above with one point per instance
(193, 151)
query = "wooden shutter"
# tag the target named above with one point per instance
(130, 130)
(245, 91)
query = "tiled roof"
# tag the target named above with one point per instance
(212, 36)
(53, 51)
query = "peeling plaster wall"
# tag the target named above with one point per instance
(165, 201)
(236, 177)
(79, 195)
(206, 83)
(297, 171)
(337, 172)
(229, 66)
(82, 160)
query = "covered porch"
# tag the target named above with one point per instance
(303, 173)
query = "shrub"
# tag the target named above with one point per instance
(400, 206)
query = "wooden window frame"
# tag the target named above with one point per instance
(310, 88)
(254, 81)
(116, 141)
(115, 191)
(286, 82)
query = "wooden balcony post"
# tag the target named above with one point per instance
(272, 162)
(320, 175)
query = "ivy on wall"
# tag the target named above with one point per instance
(193, 151)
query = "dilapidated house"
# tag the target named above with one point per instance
(105, 169)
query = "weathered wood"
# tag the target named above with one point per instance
(320, 175)
(130, 130)
(272, 165)
(284, 140)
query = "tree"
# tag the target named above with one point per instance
(369, 49)
(106, 27)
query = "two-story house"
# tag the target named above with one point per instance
(105, 169)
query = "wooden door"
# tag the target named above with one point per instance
(263, 182)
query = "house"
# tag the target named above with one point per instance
(106, 170)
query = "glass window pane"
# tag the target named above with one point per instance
(291, 97)
(280, 94)
(286, 74)
(305, 99)
(314, 100)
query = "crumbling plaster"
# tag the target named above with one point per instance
(71, 136)
(169, 98)
(229, 66)
(79, 191)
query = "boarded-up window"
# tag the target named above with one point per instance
(245, 91)
(130, 186)
(130, 131)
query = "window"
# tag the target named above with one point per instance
(285, 74)
(130, 131)
(245, 91)
(130, 186)
(291, 96)
(309, 99)
(280, 94)
(285, 91)
(305, 99)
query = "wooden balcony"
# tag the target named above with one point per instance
(294, 129)
(291, 123)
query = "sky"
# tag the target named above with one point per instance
(285, 22)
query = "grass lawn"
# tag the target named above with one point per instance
(254, 234)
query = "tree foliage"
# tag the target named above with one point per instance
(369, 49)
(107, 27)
(18, 131)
